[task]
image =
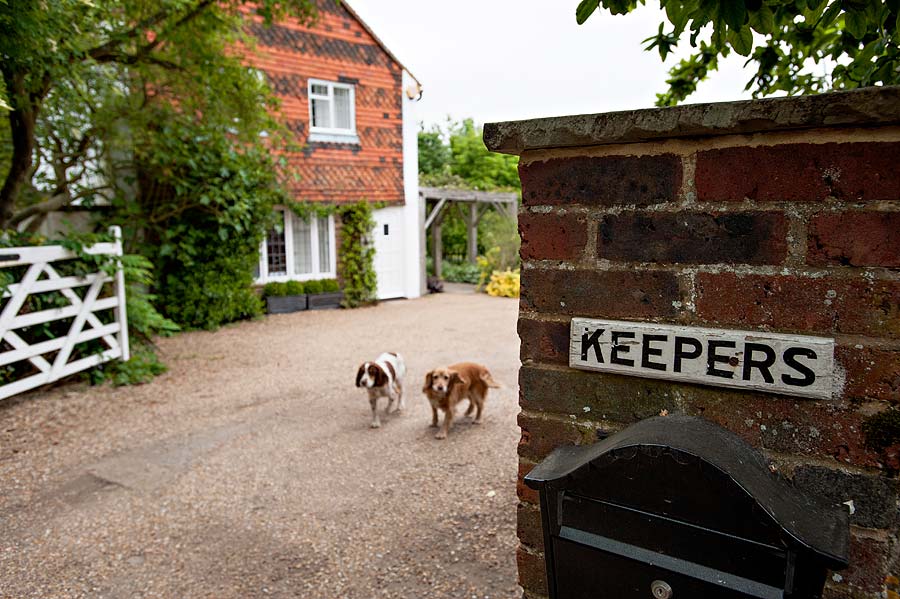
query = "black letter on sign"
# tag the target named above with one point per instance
(592, 342)
(790, 358)
(647, 351)
(616, 348)
(680, 342)
(713, 358)
(763, 365)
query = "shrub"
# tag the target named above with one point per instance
(313, 287)
(274, 290)
(330, 286)
(504, 284)
(460, 273)
(294, 288)
(216, 292)
(357, 255)
(203, 206)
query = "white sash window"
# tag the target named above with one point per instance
(297, 249)
(332, 108)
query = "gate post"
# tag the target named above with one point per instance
(121, 312)
(767, 217)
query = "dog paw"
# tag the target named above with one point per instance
(441, 435)
(375, 425)
(433, 425)
(477, 421)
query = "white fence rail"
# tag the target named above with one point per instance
(41, 277)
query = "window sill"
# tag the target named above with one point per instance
(333, 138)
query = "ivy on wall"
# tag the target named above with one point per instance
(357, 266)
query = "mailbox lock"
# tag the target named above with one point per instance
(660, 589)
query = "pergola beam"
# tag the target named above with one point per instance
(435, 212)
(506, 203)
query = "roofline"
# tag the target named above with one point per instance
(377, 39)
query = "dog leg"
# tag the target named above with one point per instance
(434, 417)
(480, 406)
(470, 408)
(390, 396)
(400, 404)
(373, 401)
(448, 420)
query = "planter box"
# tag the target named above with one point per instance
(286, 303)
(325, 301)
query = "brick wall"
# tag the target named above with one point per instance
(337, 48)
(780, 215)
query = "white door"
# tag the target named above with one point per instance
(388, 235)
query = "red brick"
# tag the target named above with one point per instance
(525, 492)
(800, 304)
(532, 571)
(544, 341)
(592, 395)
(872, 373)
(867, 570)
(552, 236)
(540, 436)
(608, 294)
(800, 172)
(855, 239)
(874, 497)
(819, 429)
(528, 525)
(694, 237)
(601, 181)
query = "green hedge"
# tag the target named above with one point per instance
(300, 287)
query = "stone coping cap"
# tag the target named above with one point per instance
(855, 108)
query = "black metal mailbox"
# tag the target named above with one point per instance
(678, 507)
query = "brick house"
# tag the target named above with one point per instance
(349, 102)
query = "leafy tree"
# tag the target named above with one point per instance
(434, 154)
(459, 158)
(859, 40)
(463, 160)
(200, 216)
(77, 77)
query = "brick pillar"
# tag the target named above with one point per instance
(778, 215)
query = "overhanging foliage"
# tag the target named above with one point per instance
(856, 40)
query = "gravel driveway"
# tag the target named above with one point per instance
(249, 470)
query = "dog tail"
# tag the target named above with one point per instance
(489, 380)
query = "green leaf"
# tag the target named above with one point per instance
(855, 23)
(734, 13)
(831, 13)
(741, 40)
(678, 14)
(763, 20)
(585, 9)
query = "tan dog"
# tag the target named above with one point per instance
(445, 387)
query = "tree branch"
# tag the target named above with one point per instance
(55, 202)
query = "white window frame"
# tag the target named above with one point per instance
(316, 273)
(331, 85)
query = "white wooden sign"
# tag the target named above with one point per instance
(771, 362)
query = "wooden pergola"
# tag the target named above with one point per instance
(440, 199)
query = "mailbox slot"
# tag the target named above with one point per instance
(678, 507)
(584, 518)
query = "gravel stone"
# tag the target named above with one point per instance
(249, 469)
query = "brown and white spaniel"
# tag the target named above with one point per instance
(383, 378)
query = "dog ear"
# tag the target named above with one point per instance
(428, 380)
(456, 377)
(359, 375)
(381, 378)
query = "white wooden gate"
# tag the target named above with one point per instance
(40, 277)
